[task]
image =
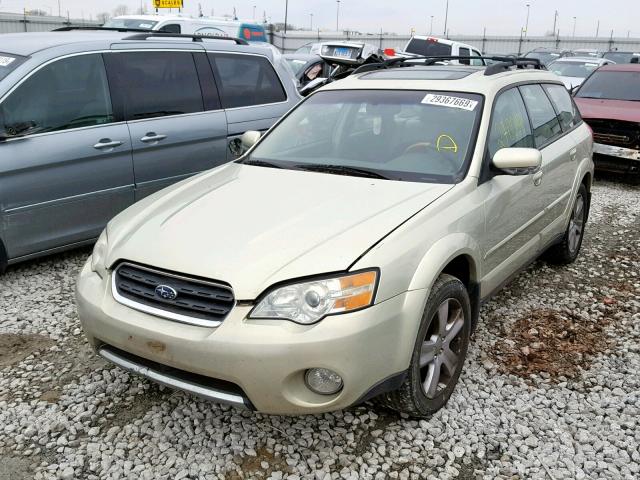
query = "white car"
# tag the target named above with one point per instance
(345, 256)
(427, 46)
(573, 70)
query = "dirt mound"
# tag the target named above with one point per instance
(16, 347)
(557, 343)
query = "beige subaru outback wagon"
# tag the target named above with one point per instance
(345, 256)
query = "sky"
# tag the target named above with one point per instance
(505, 17)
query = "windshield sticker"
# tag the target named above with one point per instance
(6, 61)
(446, 143)
(452, 102)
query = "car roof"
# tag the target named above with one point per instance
(27, 44)
(474, 82)
(621, 67)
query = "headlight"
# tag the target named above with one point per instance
(311, 301)
(98, 255)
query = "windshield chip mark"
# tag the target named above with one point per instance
(448, 101)
(6, 61)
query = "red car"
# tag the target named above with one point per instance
(609, 101)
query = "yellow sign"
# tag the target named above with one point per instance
(167, 3)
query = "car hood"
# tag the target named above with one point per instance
(254, 226)
(609, 109)
(571, 82)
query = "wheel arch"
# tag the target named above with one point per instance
(4, 260)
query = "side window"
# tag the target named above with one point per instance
(476, 61)
(171, 28)
(246, 80)
(69, 93)
(154, 84)
(509, 123)
(567, 112)
(545, 124)
(464, 52)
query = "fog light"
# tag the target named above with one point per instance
(323, 381)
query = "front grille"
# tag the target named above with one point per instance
(196, 301)
(615, 132)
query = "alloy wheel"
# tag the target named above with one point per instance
(576, 224)
(441, 349)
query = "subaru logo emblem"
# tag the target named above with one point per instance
(166, 292)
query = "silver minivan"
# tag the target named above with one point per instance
(92, 121)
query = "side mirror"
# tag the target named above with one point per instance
(249, 139)
(517, 161)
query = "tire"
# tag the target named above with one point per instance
(421, 394)
(3, 258)
(568, 249)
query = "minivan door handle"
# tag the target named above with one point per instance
(152, 137)
(537, 178)
(107, 144)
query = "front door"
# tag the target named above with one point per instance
(66, 166)
(176, 131)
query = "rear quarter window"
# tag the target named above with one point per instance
(246, 80)
(428, 48)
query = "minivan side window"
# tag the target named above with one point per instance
(68, 93)
(246, 80)
(509, 124)
(567, 111)
(464, 52)
(546, 126)
(154, 84)
(170, 28)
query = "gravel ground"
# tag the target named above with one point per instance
(550, 390)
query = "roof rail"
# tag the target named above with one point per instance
(195, 38)
(109, 29)
(504, 63)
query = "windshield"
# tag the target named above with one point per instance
(573, 69)
(8, 63)
(544, 57)
(612, 85)
(428, 48)
(620, 57)
(130, 23)
(399, 135)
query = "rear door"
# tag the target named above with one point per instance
(558, 149)
(173, 113)
(66, 166)
(251, 91)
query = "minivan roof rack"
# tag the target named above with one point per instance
(504, 63)
(109, 29)
(195, 38)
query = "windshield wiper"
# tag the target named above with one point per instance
(259, 163)
(341, 170)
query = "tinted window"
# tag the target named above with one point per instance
(246, 80)
(543, 117)
(611, 85)
(620, 57)
(155, 84)
(69, 93)
(170, 28)
(509, 125)
(464, 52)
(565, 107)
(428, 48)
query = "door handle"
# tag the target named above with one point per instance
(537, 178)
(107, 143)
(152, 137)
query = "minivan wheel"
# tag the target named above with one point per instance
(567, 250)
(439, 351)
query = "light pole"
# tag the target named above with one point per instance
(526, 26)
(286, 15)
(598, 28)
(555, 19)
(311, 15)
(338, 16)
(574, 27)
(431, 26)
(446, 17)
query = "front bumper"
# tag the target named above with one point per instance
(265, 359)
(619, 152)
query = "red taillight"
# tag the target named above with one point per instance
(390, 52)
(432, 40)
